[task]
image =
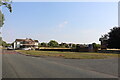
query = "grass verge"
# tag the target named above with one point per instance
(70, 55)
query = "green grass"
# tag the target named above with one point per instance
(70, 55)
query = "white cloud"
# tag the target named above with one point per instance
(63, 24)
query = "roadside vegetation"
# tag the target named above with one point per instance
(69, 55)
(54, 44)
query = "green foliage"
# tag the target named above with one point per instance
(73, 46)
(8, 45)
(1, 19)
(67, 45)
(94, 45)
(64, 45)
(114, 38)
(7, 4)
(43, 44)
(39, 44)
(4, 44)
(98, 45)
(53, 43)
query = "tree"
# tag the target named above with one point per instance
(98, 45)
(67, 45)
(39, 44)
(64, 45)
(104, 41)
(74, 46)
(94, 45)
(114, 38)
(43, 44)
(7, 4)
(104, 37)
(8, 44)
(53, 43)
(4, 44)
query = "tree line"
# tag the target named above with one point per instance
(53, 43)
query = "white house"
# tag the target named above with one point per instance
(25, 44)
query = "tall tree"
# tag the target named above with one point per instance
(114, 38)
(7, 4)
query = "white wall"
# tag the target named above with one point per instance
(18, 44)
(36, 43)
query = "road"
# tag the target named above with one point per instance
(20, 66)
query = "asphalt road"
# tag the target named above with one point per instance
(20, 66)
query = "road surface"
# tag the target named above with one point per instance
(20, 66)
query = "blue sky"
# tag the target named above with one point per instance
(70, 22)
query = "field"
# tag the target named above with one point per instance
(69, 55)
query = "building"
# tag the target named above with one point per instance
(25, 44)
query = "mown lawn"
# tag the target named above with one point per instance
(70, 55)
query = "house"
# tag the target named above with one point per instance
(25, 44)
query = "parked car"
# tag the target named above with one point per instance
(9, 48)
(26, 48)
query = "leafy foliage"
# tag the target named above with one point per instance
(114, 38)
(64, 45)
(53, 43)
(3, 43)
(1, 19)
(95, 45)
(43, 44)
(7, 4)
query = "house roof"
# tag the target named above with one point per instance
(20, 40)
(36, 40)
(26, 40)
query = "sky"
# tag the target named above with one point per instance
(70, 22)
(65, 0)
